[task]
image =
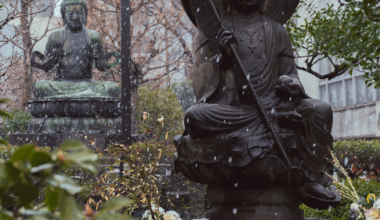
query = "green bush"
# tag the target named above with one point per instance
(342, 211)
(17, 122)
(359, 157)
(30, 173)
(185, 93)
(159, 114)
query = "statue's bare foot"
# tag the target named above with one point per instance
(316, 195)
(319, 191)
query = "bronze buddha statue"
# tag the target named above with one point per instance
(73, 101)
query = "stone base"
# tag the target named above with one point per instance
(257, 212)
(94, 141)
(265, 203)
(263, 212)
(75, 107)
(72, 125)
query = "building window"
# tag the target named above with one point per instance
(346, 90)
(335, 94)
(349, 92)
(364, 94)
(322, 93)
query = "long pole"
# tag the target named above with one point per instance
(126, 131)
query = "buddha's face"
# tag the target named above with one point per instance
(75, 16)
(246, 5)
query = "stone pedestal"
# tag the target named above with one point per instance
(75, 115)
(266, 203)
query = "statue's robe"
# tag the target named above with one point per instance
(224, 127)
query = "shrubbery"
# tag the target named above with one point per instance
(160, 118)
(342, 211)
(361, 158)
(185, 93)
(30, 173)
(17, 122)
(159, 114)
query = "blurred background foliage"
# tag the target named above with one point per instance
(345, 33)
(185, 93)
(17, 121)
(32, 186)
(342, 211)
(360, 158)
(159, 114)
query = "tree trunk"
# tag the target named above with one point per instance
(134, 95)
(27, 44)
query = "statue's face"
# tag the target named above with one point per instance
(246, 3)
(246, 6)
(75, 16)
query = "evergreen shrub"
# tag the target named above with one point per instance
(361, 158)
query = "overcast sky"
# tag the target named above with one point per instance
(57, 9)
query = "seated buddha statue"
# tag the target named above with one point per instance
(74, 51)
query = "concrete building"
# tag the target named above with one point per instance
(356, 107)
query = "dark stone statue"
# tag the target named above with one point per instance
(73, 102)
(226, 143)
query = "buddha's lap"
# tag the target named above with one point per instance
(76, 89)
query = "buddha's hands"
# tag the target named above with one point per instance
(102, 64)
(225, 39)
(286, 84)
(46, 63)
(57, 53)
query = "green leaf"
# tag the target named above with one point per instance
(63, 182)
(6, 199)
(12, 172)
(79, 154)
(38, 218)
(26, 192)
(72, 145)
(38, 158)
(4, 114)
(51, 198)
(3, 174)
(5, 100)
(22, 153)
(114, 204)
(4, 142)
(68, 207)
(6, 215)
(42, 167)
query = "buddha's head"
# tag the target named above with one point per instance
(74, 13)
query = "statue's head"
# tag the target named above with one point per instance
(250, 5)
(74, 13)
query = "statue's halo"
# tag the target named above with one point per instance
(277, 10)
(280, 10)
